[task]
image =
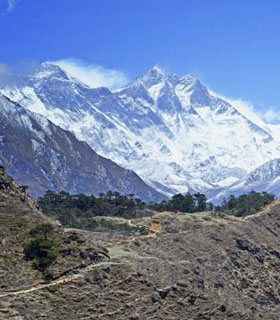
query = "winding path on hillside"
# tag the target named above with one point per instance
(62, 280)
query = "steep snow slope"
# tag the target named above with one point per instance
(171, 130)
(43, 156)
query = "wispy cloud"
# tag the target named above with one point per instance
(11, 5)
(94, 75)
(8, 76)
(248, 110)
(13, 74)
(245, 107)
(259, 115)
(272, 115)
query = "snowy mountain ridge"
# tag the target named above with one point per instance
(264, 178)
(171, 130)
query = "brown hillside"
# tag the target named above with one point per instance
(197, 266)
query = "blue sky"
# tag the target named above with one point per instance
(232, 45)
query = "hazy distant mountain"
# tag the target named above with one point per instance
(264, 178)
(171, 130)
(43, 156)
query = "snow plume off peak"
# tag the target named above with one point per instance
(11, 75)
(93, 75)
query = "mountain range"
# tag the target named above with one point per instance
(171, 130)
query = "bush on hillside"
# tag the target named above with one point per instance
(42, 248)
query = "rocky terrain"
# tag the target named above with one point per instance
(186, 266)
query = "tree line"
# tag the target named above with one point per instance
(246, 204)
(188, 203)
(77, 211)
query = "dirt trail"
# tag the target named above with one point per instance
(62, 280)
(266, 210)
(66, 279)
(140, 236)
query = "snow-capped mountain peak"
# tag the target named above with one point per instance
(171, 130)
(49, 69)
(264, 178)
(50, 72)
(188, 79)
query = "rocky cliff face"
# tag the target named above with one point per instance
(190, 266)
(43, 156)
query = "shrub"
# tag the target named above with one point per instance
(23, 188)
(42, 248)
